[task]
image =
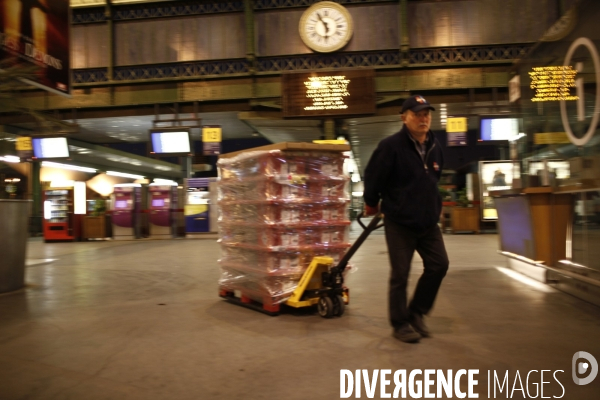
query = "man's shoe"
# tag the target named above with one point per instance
(406, 334)
(416, 320)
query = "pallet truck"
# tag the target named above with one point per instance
(323, 283)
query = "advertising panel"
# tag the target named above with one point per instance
(36, 33)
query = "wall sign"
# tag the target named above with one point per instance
(456, 124)
(456, 131)
(24, 147)
(550, 138)
(329, 93)
(581, 101)
(211, 134)
(211, 140)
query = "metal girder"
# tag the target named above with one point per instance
(266, 88)
(470, 56)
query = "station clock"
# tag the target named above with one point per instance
(326, 26)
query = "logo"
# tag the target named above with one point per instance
(420, 99)
(436, 166)
(583, 367)
(580, 141)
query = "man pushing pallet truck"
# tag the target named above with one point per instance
(322, 283)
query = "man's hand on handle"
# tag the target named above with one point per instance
(370, 211)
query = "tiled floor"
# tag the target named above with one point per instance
(142, 320)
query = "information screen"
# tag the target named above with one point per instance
(498, 129)
(121, 204)
(328, 93)
(158, 202)
(171, 142)
(50, 147)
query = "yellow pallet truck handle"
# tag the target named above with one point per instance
(322, 282)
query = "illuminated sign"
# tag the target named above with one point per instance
(211, 140)
(456, 131)
(23, 144)
(553, 83)
(211, 134)
(329, 93)
(550, 138)
(457, 124)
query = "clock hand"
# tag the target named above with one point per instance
(324, 23)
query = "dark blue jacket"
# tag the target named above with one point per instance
(406, 186)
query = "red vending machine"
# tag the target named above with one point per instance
(126, 211)
(64, 207)
(162, 205)
(58, 214)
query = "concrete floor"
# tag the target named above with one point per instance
(143, 320)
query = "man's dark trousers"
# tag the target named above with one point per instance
(402, 243)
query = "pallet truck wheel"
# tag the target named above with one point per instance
(338, 306)
(325, 307)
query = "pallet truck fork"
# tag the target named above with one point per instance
(323, 282)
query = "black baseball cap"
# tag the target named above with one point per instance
(416, 103)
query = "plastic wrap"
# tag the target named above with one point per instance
(279, 261)
(277, 211)
(277, 162)
(299, 188)
(262, 273)
(293, 235)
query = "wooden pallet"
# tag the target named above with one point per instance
(266, 305)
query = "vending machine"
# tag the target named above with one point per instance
(63, 210)
(162, 206)
(126, 215)
(197, 209)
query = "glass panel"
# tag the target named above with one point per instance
(586, 230)
(559, 101)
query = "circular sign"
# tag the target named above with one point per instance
(563, 106)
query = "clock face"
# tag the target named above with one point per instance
(326, 27)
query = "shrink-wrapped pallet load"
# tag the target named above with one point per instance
(279, 206)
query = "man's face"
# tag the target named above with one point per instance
(417, 123)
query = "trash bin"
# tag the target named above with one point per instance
(14, 215)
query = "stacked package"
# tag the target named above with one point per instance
(278, 210)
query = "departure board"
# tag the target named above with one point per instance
(328, 93)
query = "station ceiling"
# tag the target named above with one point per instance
(363, 133)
